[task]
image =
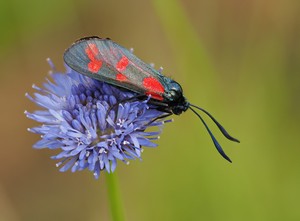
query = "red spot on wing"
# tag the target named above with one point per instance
(153, 87)
(92, 52)
(122, 64)
(121, 77)
(94, 66)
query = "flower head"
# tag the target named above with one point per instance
(92, 123)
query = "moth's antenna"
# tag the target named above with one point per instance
(222, 129)
(216, 143)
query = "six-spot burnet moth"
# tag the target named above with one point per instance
(105, 60)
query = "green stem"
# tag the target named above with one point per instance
(114, 197)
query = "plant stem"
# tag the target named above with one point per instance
(114, 197)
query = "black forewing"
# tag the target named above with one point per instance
(110, 54)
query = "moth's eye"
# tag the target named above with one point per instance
(174, 94)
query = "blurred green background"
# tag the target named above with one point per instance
(238, 59)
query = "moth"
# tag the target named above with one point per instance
(107, 61)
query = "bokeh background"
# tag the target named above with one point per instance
(238, 59)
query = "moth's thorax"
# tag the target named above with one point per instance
(173, 91)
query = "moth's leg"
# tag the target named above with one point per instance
(161, 106)
(160, 117)
(158, 103)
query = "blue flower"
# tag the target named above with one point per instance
(92, 123)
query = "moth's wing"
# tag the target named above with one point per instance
(96, 58)
(107, 61)
(141, 74)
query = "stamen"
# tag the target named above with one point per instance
(101, 150)
(52, 66)
(120, 122)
